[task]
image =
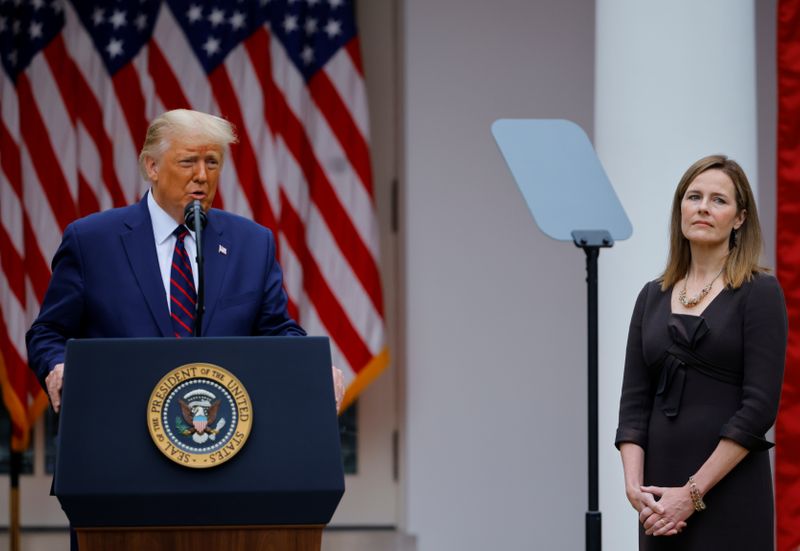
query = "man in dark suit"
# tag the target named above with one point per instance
(131, 272)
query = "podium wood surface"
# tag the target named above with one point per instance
(201, 538)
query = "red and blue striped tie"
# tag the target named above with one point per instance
(183, 297)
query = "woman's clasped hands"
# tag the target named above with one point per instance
(662, 511)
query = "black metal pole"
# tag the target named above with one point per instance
(201, 293)
(591, 241)
(593, 519)
(195, 218)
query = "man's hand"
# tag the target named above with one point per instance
(338, 386)
(54, 381)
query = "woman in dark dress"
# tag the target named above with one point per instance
(703, 374)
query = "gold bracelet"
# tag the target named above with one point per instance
(694, 493)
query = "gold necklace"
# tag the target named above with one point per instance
(698, 298)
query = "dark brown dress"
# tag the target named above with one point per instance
(691, 380)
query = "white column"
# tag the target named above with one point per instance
(674, 81)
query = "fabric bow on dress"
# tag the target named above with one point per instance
(686, 331)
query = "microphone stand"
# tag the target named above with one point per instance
(195, 216)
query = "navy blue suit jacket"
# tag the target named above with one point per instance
(106, 283)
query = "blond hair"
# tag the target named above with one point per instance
(742, 260)
(192, 126)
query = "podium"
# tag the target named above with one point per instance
(123, 480)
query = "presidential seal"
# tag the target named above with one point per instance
(199, 415)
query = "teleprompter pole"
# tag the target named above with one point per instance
(591, 242)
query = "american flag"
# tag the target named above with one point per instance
(80, 81)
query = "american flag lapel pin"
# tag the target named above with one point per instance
(222, 250)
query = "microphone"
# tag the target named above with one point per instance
(194, 211)
(196, 219)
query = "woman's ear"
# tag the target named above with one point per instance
(740, 218)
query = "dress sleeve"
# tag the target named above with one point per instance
(764, 347)
(61, 315)
(636, 401)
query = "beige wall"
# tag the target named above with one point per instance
(495, 311)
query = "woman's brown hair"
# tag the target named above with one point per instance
(742, 261)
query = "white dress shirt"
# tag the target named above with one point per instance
(163, 226)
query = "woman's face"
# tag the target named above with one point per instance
(708, 209)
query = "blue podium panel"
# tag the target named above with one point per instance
(560, 177)
(109, 471)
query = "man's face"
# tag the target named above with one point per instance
(185, 172)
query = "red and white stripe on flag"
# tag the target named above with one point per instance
(787, 428)
(81, 79)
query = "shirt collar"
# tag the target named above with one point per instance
(163, 223)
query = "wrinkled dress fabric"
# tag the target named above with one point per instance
(691, 380)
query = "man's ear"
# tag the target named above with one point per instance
(151, 167)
